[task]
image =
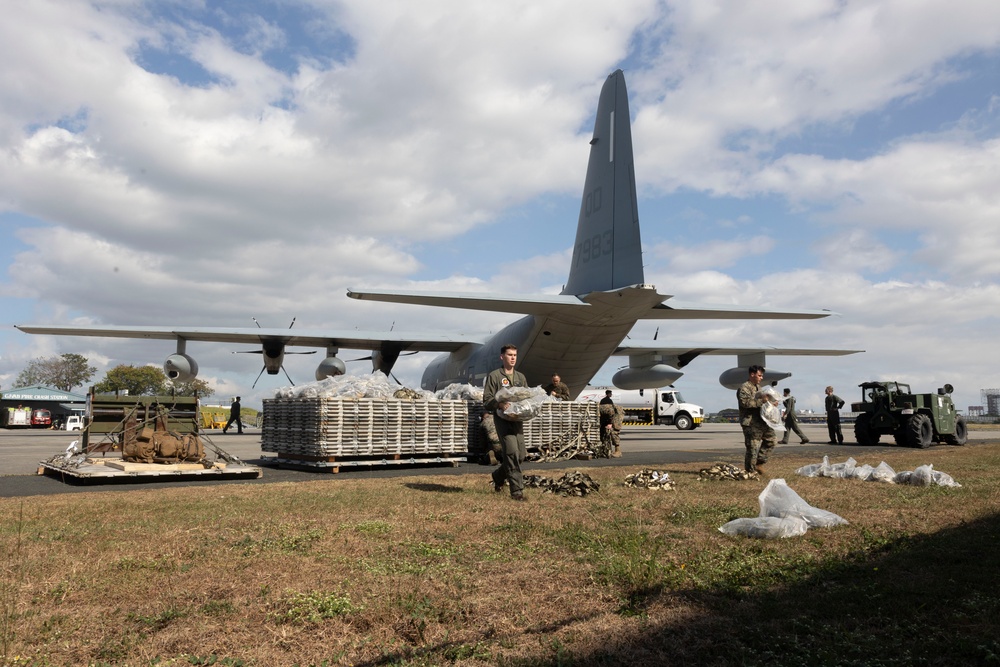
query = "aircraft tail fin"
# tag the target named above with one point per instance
(608, 252)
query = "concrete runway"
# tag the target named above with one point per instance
(21, 451)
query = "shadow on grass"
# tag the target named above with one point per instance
(435, 488)
(931, 600)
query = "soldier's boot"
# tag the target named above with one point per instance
(617, 454)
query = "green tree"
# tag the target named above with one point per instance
(148, 381)
(137, 380)
(63, 372)
(202, 388)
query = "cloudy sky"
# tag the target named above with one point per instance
(203, 163)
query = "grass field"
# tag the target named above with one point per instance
(432, 570)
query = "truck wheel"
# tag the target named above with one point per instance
(961, 435)
(863, 431)
(920, 431)
(683, 422)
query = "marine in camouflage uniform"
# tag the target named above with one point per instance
(511, 433)
(557, 388)
(758, 437)
(616, 431)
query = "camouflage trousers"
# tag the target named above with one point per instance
(512, 453)
(759, 440)
(610, 439)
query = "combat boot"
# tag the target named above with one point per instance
(617, 454)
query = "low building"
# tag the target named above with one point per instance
(60, 404)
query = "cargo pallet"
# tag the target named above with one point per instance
(328, 434)
(333, 464)
(113, 420)
(115, 469)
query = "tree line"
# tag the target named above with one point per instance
(73, 370)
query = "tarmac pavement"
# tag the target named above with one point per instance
(21, 452)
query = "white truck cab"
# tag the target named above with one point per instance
(647, 407)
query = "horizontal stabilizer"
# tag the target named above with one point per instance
(541, 304)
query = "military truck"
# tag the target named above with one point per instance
(913, 420)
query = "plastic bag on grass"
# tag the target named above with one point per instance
(843, 470)
(883, 472)
(863, 472)
(925, 476)
(783, 513)
(779, 500)
(813, 469)
(768, 527)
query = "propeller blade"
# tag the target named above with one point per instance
(288, 376)
(254, 385)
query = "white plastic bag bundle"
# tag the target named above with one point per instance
(814, 469)
(843, 470)
(525, 403)
(460, 392)
(944, 479)
(770, 411)
(883, 472)
(376, 385)
(863, 472)
(925, 475)
(783, 513)
(768, 527)
(778, 499)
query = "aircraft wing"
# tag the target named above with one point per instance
(672, 309)
(350, 339)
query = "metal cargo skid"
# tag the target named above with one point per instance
(114, 425)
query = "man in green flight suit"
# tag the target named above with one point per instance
(791, 419)
(833, 405)
(511, 433)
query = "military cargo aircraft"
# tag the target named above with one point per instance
(576, 331)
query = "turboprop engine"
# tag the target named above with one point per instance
(649, 377)
(735, 377)
(330, 367)
(180, 367)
